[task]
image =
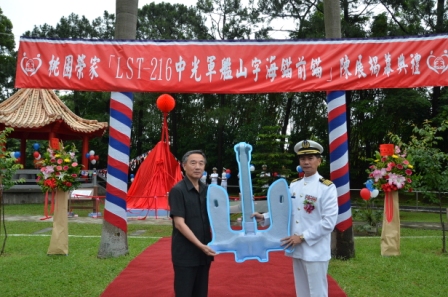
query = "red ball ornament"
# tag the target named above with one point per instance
(365, 194)
(36, 155)
(165, 103)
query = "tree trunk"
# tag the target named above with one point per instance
(442, 223)
(344, 247)
(114, 241)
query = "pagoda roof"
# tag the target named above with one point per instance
(35, 113)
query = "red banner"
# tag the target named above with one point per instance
(232, 66)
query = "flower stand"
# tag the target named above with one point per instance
(59, 235)
(390, 234)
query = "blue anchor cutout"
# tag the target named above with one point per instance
(249, 243)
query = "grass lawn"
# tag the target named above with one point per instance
(26, 270)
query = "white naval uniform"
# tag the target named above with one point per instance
(214, 178)
(314, 254)
(224, 180)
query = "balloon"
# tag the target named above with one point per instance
(132, 174)
(97, 157)
(165, 103)
(132, 179)
(227, 170)
(92, 152)
(87, 155)
(13, 154)
(36, 146)
(365, 194)
(299, 169)
(93, 161)
(204, 173)
(369, 185)
(227, 175)
(91, 157)
(252, 168)
(374, 193)
(17, 155)
(275, 174)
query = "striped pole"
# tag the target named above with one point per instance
(339, 172)
(118, 159)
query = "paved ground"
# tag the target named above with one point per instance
(164, 220)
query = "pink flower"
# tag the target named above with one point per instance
(396, 179)
(377, 174)
(405, 162)
(408, 180)
(65, 168)
(60, 161)
(59, 168)
(74, 164)
(74, 175)
(47, 169)
(408, 172)
(399, 166)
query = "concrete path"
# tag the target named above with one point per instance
(165, 220)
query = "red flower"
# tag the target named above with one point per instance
(51, 183)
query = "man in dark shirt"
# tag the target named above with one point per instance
(191, 229)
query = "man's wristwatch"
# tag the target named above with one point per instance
(302, 239)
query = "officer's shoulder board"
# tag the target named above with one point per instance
(326, 182)
(297, 179)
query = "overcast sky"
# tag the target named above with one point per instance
(24, 14)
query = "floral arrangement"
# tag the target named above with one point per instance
(391, 173)
(309, 204)
(59, 170)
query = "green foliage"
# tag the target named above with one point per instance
(171, 22)
(8, 165)
(270, 150)
(7, 57)
(430, 160)
(368, 215)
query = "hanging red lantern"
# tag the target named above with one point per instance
(165, 103)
